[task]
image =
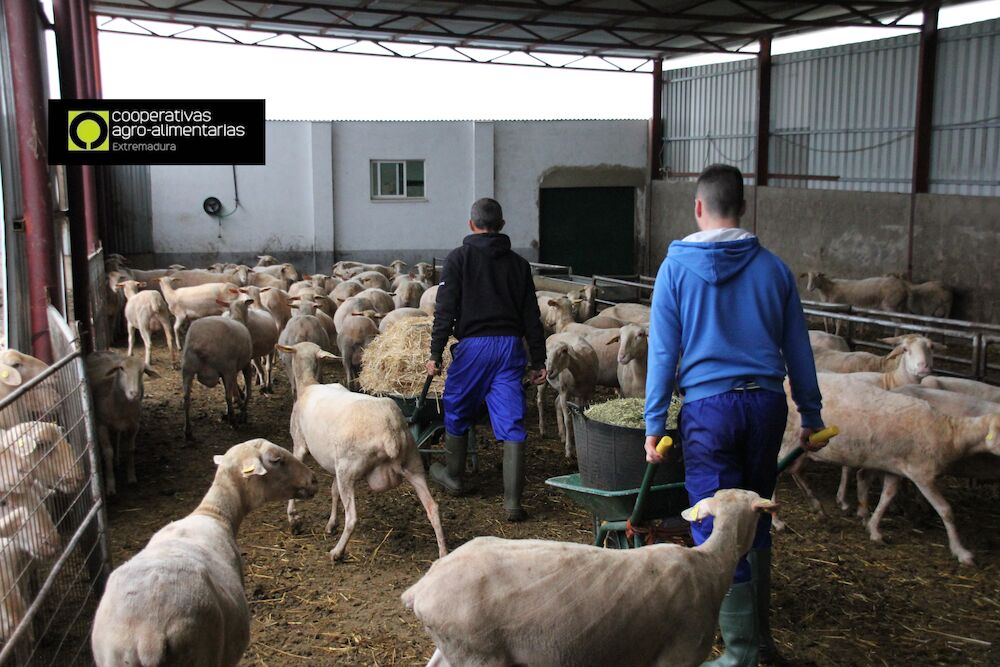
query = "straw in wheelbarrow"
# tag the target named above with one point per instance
(630, 412)
(394, 363)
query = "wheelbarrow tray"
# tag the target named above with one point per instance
(662, 500)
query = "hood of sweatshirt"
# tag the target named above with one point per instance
(715, 262)
(493, 244)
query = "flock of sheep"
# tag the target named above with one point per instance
(896, 419)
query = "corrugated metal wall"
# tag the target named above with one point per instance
(126, 209)
(710, 116)
(965, 147)
(844, 116)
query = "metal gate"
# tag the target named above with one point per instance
(54, 553)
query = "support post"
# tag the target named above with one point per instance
(925, 100)
(32, 148)
(656, 124)
(763, 110)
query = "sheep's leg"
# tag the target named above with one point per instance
(796, 472)
(560, 426)
(186, 379)
(131, 339)
(229, 384)
(567, 425)
(178, 323)
(331, 524)
(130, 437)
(346, 488)
(414, 474)
(269, 371)
(147, 342)
(539, 403)
(171, 345)
(299, 450)
(104, 437)
(864, 482)
(845, 472)
(890, 485)
(247, 380)
(776, 523)
(930, 491)
(438, 659)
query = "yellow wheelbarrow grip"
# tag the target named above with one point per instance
(824, 435)
(665, 443)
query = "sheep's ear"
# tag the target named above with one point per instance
(702, 509)
(218, 459)
(616, 339)
(25, 445)
(244, 290)
(222, 303)
(553, 303)
(112, 371)
(233, 290)
(9, 376)
(253, 467)
(323, 354)
(284, 348)
(119, 285)
(142, 284)
(148, 370)
(264, 289)
(892, 340)
(896, 352)
(766, 506)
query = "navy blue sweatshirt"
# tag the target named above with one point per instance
(486, 290)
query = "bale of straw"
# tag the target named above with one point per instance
(630, 412)
(394, 364)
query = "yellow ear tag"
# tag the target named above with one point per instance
(20, 443)
(249, 469)
(5, 375)
(692, 514)
(989, 436)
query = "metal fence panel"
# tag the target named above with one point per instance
(127, 209)
(54, 555)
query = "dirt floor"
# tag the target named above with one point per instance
(838, 598)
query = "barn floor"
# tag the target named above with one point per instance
(839, 599)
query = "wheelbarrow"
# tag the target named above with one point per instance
(620, 517)
(426, 421)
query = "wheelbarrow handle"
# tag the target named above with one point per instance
(420, 400)
(647, 479)
(820, 436)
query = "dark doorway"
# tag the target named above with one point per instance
(589, 229)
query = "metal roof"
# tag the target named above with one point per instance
(637, 29)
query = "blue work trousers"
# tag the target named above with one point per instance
(731, 441)
(486, 369)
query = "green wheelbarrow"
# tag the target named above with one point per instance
(426, 421)
(620, 517)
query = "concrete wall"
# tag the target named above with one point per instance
(285, 205)
(862, 234)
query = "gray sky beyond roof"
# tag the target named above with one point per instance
(620, 28)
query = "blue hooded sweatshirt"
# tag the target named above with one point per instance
(730, 311)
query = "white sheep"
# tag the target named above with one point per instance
(408, 293)
(382, 301)
(821, 340)
(556, 313)
(605, 322)
(116, 383)
(429, 299)
(633, 357)
(16, 369)
(572, 371)
(219, 348)
(27, 535)
(146, 311)
(371, 278)
(987, 392)
(352, 338)
(908, 362)
(191, 303)
(304, 327)
(883, 293)
(264, 335)
(898, 435)
(933, 299)
(275, 301)
(397, 315)
(537, 602)
(345, 291)
(181, 599)
(636, 313)
(38, 454)
(355, 437)
(195, 277)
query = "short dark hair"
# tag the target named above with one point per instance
(720, 187)
(487, 214)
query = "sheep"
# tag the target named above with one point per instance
(884, 293)
(933, 299)
(425, 272)
(633, 351)
(820, 340)
(353, 337)
(898, 435)
(219, 347)
(582, 299)
(117, 388)
(408, 293)
(572, 371)
(382, 302)
(398, 267)
(354, 437)
(275, 301)
(16, 369)
(263, 280)
(397, 315)
(38, 454)
(604, 322)
(146, 311)
(605, 344)
(303, 286)
(371, 278)
(346, 290)
(26, 535)
(636, 313)
(428, 300)
(285, 272)
(498, 602)
(556, 314)
(264, 334)
(353, 306)
(266, 260)
(329, 325)
(987, 392)
(191, 303)
(304, 327)
(908, 362)
(181, 599)
(195, 277)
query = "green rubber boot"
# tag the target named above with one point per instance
(513, 480)
(760, 565)
(738, 621)
(449, 476)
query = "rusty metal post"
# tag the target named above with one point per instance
(29, 108)
(656, 124)
(925, 99)
(763, 111)
(86, 89)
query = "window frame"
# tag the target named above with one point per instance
(375, 169)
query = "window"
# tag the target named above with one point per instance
(397, 179)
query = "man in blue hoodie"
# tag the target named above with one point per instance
(729, 311)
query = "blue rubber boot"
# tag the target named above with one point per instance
(738, 622)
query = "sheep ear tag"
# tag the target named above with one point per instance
(990, 436)
(25, 446)
(9, 376)
(693, 514)
(253, 467)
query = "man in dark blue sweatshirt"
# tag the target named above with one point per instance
(487, 299)
(729, 311)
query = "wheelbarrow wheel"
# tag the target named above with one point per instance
(614, 539)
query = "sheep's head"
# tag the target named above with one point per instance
(306, 358)
(993, 435)
(813, 280)
(737, 505)
(30, 528)
(915, 352)
(41, 453)
(634, 343)
(128, 376)
(557, 359)
(268, 472)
